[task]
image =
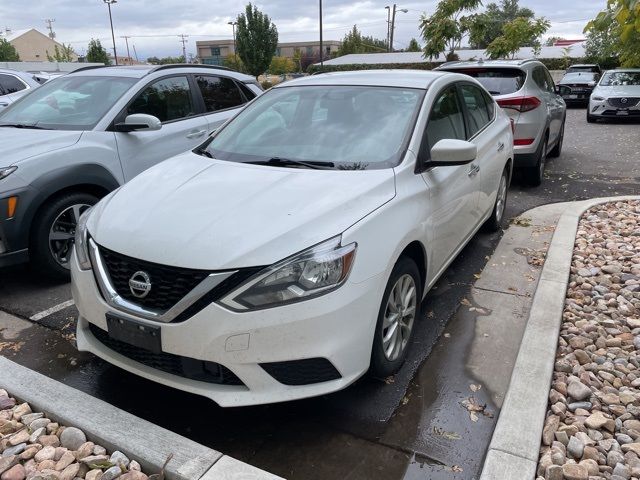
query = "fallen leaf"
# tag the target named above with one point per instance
(473, 416)
(475, 388)
(465, 302)
(456, 468)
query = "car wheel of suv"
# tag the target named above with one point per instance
(535, 174)
(494, 223)
(557, 150)
(54, 233)
(590, 118)
(398, 312)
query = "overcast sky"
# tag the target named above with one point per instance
(154, 25)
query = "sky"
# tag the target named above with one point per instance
(154, 26)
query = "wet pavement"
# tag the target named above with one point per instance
(414, 426)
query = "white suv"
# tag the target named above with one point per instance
(14, 84)
(78, 137)
(290, 253)
(526, 91)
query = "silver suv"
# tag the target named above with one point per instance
(527, 93)
(78, 137)
(14, 84)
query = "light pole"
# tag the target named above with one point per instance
(393, 24)
(321, 46)
(233, 26)
(113, 37)
(388, 9)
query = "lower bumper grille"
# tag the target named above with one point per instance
(209, 372)
(302, 372)
(614, 113)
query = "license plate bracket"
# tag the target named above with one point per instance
(134, 333)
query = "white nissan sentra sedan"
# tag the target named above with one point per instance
(288, 255)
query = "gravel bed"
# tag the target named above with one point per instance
(592, 429)
(32, 447)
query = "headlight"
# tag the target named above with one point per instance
(6, 171)
(312, 272)
(597, 99)
(81, 241)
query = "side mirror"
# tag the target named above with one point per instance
(139, 121)
(449, 151)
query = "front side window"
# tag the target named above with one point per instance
(219, 93)
(478, 113)
(10, 84)
(167, 99)
(539, 78)
(352, 127)
(446, 119)
(68, 103)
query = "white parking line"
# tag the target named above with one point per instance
(49, 311)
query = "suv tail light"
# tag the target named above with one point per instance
(522, 104)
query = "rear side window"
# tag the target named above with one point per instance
(498, 81)
(219, 93)
(10, 84)
(478, 113)
(446, 119)
(248, 93)
(167, 99)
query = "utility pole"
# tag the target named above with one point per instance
(113, 37)
(233, 26)
(393, 24)
(135, 53)
(183, 39)
(49, 21)
(126, 39)
(388, 9)
(321, 45)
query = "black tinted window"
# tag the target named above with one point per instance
(167, 99)
(219, 93)
(248, 93)
(476, 107)
(446, 119)
(10, 84)
(498, 81)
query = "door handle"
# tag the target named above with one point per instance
(197, 134)
(500, 146)
(473, 171)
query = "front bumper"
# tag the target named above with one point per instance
(14, 231)
(338, 327)
(605, 109)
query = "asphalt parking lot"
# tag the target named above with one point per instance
(356, 433)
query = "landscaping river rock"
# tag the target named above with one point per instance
(32, 447)
(592, 428)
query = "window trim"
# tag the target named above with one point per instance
(198, 93)
(466, 110)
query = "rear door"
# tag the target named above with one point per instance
(222, 98)
(552, 102)
(171, 100)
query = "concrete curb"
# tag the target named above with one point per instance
(116, 429)
(514, 448)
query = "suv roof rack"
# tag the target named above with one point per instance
(89, 67)
(188, 65)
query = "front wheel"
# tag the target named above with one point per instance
(494, 222)
(53, 233)
(398, 312)
(590, 118)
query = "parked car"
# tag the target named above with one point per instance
(584, 67)
(75, 139)
(290, 253)
(525, 89)
(15, 84)
(617, 95)
(576, 87)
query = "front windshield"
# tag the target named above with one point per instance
(353, 127)
(616, 79)
(580, 77)
(67, 103)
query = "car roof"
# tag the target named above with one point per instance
(384, 78)
(488, 63)
(583, 65)
(140, 71)
(625, 70)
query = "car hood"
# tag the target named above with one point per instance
(195, 212)
(19, 144)
(618, 91)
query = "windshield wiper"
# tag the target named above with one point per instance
(23, 125)
(287, 162)
(204, 152)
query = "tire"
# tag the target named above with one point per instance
(557, 149)
(590, 118)
(494, 222)
(51, 255)
(388, 356)
(535, 174)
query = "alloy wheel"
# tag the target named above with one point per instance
(62, 233)
(400, 313)
(502, 199)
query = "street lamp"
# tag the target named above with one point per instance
(233, 26)
(388, 9)
(393, 24)
(113, 37)
(321, 45)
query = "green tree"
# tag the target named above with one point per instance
(516, 34)
(281, 65)
(619, 26)
(96, 53)
(64, 54)
(165, 60)
(355, 42)
(234, 63)
(414, 46)
(601, 46)
(256, 40)
(443, 31)
(485, 27)
(8, 52)
(549, 42)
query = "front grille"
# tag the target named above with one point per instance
(302, 372)
(618, 103)
(186, 367)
